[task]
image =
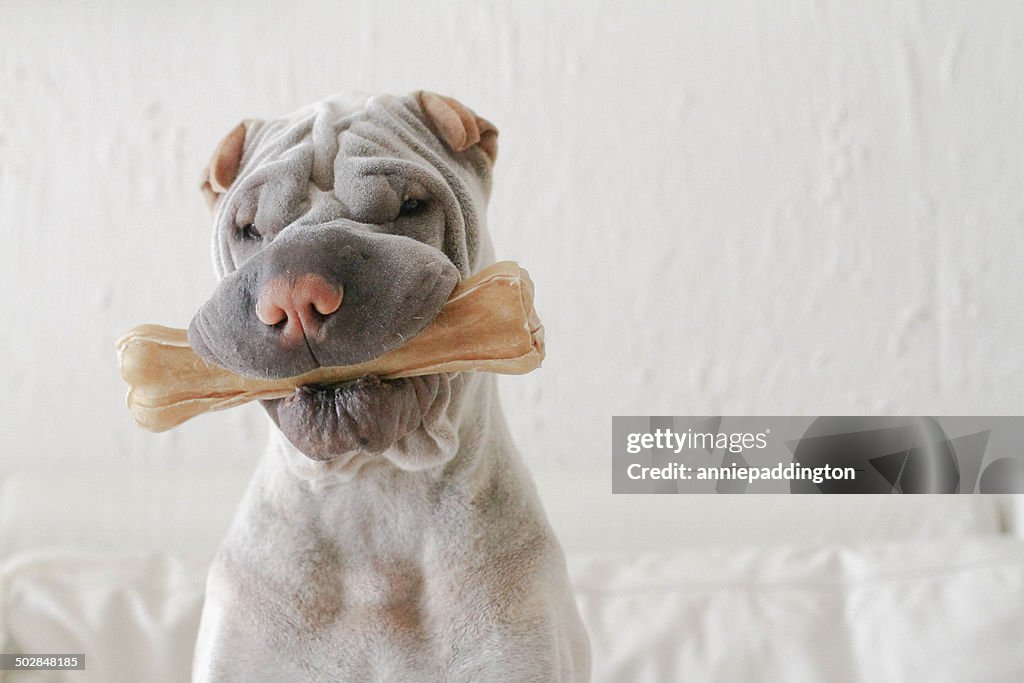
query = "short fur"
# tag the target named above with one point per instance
(391, 532)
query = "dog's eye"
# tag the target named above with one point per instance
(249, 232)
(412, 207)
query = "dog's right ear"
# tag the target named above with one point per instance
(223, 167)
(458, 125)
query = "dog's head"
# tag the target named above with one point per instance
(339, 232)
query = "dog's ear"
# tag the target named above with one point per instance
(223, 167)
(457, 125)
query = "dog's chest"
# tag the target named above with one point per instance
(360, 620)
(342, 575)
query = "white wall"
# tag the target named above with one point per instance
(743, 207)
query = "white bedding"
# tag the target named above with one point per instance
(912, 611)
(948, 610)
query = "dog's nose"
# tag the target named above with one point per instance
(299, 306)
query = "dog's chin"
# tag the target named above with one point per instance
(368, 415)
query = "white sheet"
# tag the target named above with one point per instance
(949, 610)
(134, 616)
(919, 611)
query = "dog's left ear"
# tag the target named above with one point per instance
(457, 125)
(223, 167)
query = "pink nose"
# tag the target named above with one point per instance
(299, 306)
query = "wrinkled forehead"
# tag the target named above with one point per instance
(339, 139)
(306, 142)
(363, 152)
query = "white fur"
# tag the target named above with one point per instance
(433, 561)
(446, 574)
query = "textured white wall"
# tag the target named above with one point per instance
(727, 207)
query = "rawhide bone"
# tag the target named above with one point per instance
(488, 324)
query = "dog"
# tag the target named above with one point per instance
(390, 531)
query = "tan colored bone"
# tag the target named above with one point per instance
(488, 324)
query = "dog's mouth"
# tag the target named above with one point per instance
(370, 414)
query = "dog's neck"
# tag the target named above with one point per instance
(381, 510)
(473, 413)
